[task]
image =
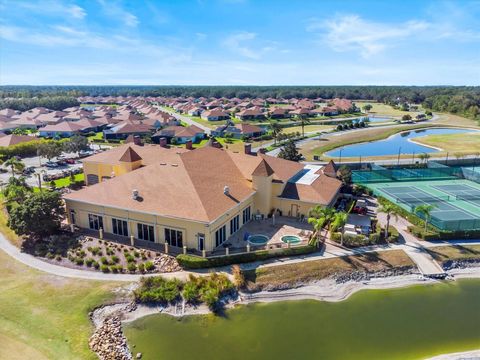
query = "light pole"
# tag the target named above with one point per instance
(413, 158)
(398, 159)
(340, 159)
(39, 175)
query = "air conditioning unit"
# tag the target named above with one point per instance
(226, 190)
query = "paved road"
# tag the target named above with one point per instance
(186, 119)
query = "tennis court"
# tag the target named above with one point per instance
(462, 192)
(456, 201)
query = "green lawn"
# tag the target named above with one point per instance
(63, 182)
(387, 110)
(97, 136)
(455, 252)
(44, 316)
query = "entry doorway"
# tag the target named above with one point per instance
(201, 242)
(294, 210)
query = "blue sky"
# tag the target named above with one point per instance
(222, 42)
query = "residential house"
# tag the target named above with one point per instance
(250, 114)
(215, 115)
(124, 129)
(239, 130)
(180, 134)
(62, 129)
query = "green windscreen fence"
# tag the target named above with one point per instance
(432, 171)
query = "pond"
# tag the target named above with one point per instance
(409, 323)
(393, 144)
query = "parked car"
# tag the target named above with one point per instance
(29, 170)
(85, 153)
(70, 161)
(51, 164)
(360, 207)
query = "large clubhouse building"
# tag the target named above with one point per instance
(193, 198)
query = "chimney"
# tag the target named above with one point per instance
(248, 149)
(189, 145)
(163, 142)
(134, 194)
(226, 190)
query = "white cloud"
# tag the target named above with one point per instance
(201, 36)
(77, 12)
(237, 44)
(352, 33)
(116, 11)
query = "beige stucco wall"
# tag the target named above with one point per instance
(106, 170)
(190, 229)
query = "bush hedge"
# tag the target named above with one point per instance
(196, 262)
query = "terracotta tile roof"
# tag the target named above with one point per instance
(130, 156)
(64, 126)
(248, 128)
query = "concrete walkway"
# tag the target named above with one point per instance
(58, 270)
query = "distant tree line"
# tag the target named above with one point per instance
(53, 102)
(463, 100)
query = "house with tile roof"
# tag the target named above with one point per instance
(181, 134)
(193, 198)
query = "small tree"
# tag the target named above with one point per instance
(16, 191)
(76, 144)
(290, 152)
(39, 215)
(338, 222)
(367, 107)
(426, 211)
(390, 210)
(345, 174)
(303, 121)
(406, 117)
(16, 165)
(50, 149)
(276, 130)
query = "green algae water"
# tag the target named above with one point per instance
(409, 323)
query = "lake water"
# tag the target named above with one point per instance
(408, 323)
(391, 145)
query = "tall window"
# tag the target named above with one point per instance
(174, 237)
(246, 215)
(234, 224)
(95, 222)
(120, 227)
(72, 217)
(220, 235)
(145, 232)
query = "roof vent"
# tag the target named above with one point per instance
(162, 163)
(175, 165)
(135, 194)
(226, 190)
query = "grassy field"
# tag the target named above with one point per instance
(308, 271)
(450, 119)
(97, 136)
(353, 137)
(462, 143)
(44, 316)
(455, 252)
(308, 129)
(387, 110)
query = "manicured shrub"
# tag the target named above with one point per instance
(50, 255)
(131, 267)
(141, 267)
(196, 262)
(89, 262)
(130, 258)
(136, 254)
(58, 258)
(113, 269)
(119, 268)
(79, 261)
(115, 259)
(96, 265)
(149, 266)
(104, 260)
(105, 268)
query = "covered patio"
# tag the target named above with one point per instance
(273, 228)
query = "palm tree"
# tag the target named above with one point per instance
(426, 211)
(339, 221)
(424, 157)
(390, 210)
(303, 121)
(16, 165)
(319, 217)
(276, 130)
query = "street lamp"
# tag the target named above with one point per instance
(398, 159)
(340, 159)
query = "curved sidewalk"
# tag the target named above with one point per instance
(59, 270)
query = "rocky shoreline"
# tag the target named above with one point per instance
(109, 342)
